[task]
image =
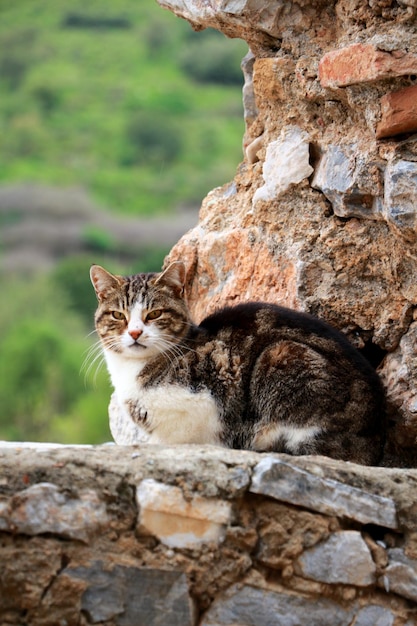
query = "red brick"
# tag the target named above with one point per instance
(363, 63)
(399, 113)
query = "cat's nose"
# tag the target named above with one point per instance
(135, 334)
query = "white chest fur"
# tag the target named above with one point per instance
(175, 415)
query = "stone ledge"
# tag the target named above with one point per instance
(184, 535)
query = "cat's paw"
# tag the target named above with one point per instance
(142, 416)
(138, 414)
(124, 431)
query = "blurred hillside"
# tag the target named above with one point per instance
(116, 119)
(122, 98)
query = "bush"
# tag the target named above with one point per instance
(42, 349)
(213, 60)
(153, 138)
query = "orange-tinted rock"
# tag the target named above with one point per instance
(363, 63)
(399, 113)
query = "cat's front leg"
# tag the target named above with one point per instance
(138, 414)
(124, 429)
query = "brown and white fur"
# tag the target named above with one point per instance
(255, 376)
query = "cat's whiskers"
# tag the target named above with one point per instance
(94, 357)
(171, 350)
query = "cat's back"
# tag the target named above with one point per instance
(308, 390)
(251, 328)
(265, 321)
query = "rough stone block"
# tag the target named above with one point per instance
(375, 616)
(343, 558)
(288, 483)
(43, 508)
(131, 596)
(251, 606)
(286, 163)
(400, 197)
(399, 112)
(400, 576)
(363, 63)
(179, 523)
(26, 573)
(350, 182)
(399, 376)
(247, 19)
(250, 110)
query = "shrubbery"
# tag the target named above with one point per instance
(211, 59)
(105, 96)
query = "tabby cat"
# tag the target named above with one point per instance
(254, 376)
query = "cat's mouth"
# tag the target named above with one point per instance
(137, 346)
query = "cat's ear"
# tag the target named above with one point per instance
(103, 281)
(173, 276)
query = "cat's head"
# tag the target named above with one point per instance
(143, 315)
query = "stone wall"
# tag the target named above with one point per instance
(187, 536)
(322, 213)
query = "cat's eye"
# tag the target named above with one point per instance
(118, 315)
(153, 315)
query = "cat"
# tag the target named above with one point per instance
(255, 376)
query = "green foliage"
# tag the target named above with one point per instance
(212, 60)
(70, 277)
(98, 239)
(103, 95)
(153, 138)
(42, 347)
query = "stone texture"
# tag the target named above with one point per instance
(131, 596)
(400, 197)
(257, 21)
(250, 606)
(351, 181)
(178, 523)
(364, 63)
(250, 110)
(399, 373)
(400, 576)
(270, 562)
(343, 558)
(398, 113)
(286, 163)
(282, 481)
(375, 616)
(44, 508)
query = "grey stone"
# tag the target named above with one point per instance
(351, 183)
(250, 606)
(235, 16)
(343, 558)
(44, 508)
(375, 616)
(400, 198)
(288, 483)
(400, 575)
(132, 596)
(286, 163)
(250, 110)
